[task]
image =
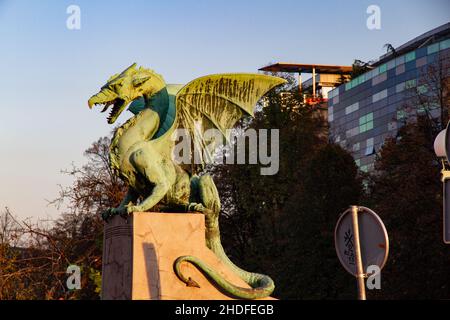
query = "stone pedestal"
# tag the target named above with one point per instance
(138, 256)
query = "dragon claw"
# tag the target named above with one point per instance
(196, 207)
(111, 212)
(130, 209)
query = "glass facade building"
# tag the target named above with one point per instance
(363, 112)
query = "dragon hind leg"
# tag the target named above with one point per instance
(204, 194)
(205, 198)
(209, 194)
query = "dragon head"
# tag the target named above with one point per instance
(123, 88)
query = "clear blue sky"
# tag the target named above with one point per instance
(48, 72)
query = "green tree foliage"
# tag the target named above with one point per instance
(406, 193)
(282, 225)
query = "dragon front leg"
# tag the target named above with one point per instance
(157, 194)
(158, 175)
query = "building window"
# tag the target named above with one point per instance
(358, 162)
(382, 68)
(400, 60)
(410, 84)
(336, 99)
(432, 58)
(356, 147)
(375, 72)
(352, 108)
(330, 114)
(361, 79)
(331, 94)
(422, 89)
(421, 62)
(400, 69)
(352, 132)
(369, 75)
(366, 123)
(445, 44)
(379, 95)
(391, 64)
(410, 56)
(369, 147)
(378, 79)
(433, 48)
(400, 87)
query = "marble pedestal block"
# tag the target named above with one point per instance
(138, 256)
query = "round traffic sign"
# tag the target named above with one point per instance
(373, 236)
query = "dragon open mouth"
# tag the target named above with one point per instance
(117, 104)
(116, 109)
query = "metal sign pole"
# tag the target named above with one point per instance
(359, 265)
(442, 150)
(446, 205)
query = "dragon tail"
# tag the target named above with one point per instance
(262, 286)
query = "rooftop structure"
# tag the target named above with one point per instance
(324, 78)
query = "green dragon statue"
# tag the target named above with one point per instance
(141, 151)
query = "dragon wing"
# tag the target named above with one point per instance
(218, 101)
